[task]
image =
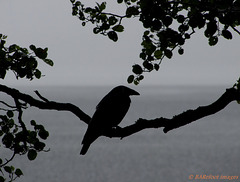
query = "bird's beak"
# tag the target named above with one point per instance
(133, 92)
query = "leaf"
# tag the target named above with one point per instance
(168, 53)
(156, 25)
(136, 82)
(88, 10)
(112, 20)
(146, 33)
(12, 48)
(132, 11)
(180, 18)
(48, 61)
(39, 127)
(41, 53)
(18, 172)
(180, 51)
(39, 146)
(213, 40)
(148, 65)
(167, 21)
(156, 67)
(142, 55)
(130, 79)
(2, 179)
(187, 36)
(8, 169)
(33, 122)
(141, 77)
(7, 139)
(227, 34)
(77, 3)
(137, 69)
(10, 114)
(37, 74)
(211, 29)
(102, 6)
(158, 54)
(32, 154)
(113, 36)
(118, 28)
(96, 30)
(43, 134)
(10, 123)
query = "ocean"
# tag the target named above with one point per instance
(199, 151)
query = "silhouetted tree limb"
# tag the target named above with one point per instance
(231, 94)
(45, 104)
(187, 117)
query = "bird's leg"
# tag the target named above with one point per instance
(116, 129)
(111, 131)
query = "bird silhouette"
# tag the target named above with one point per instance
(109, 113)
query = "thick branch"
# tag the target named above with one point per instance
(50, 105)
(180, 120)
(187, 117)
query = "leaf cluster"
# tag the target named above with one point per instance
(13, 173)
(170, 23)
(22, 61)
(105, 23)
(167, 24)
(20, 140)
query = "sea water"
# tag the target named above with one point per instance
(209, 146)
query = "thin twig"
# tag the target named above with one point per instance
(40, 96)
(13, 107)
(8, 160)
(236, 30)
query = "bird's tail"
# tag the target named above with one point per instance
(88, 139)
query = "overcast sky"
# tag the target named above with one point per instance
(82, 57)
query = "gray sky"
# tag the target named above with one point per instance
(82, 57)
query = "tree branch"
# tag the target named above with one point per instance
(4, 103)
(8, 160)
(45, 104)
(180, 120)
(236, 30)
(187, 117)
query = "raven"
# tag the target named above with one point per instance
(109, 113)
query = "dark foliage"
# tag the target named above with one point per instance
(168, 25)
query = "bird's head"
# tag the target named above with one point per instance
(125, 90)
